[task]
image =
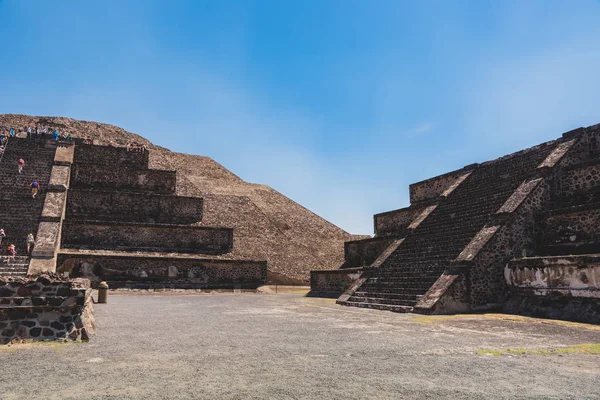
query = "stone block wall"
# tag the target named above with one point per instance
(332, 283)
(138, 271)
(581, 224)
(146, 237)
(132, 207)
(114, 156)
(45, 308)
(362, 253)
(579, 179)
(394, 223)
(434, 187)
(565, 287)
(108, 177)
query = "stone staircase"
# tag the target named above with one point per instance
(411, 270)
(19, 213)
(15, 268)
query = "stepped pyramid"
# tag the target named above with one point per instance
(521, 232)
(188, 208)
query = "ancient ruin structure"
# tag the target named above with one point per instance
(519, 233)
(102, 213)
(151, 218)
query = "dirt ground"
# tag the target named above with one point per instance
(286, 346)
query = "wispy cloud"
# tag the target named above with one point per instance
(421, 129)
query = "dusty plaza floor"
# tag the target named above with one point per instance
(286, 346)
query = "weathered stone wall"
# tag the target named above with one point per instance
(577, 276)
(565, 287)
(332, 283)
(361, 253)
(434, 187)
(132, 207)
(156, 271)
(394, 223)
(107, 155)
(146, 237)
(45, 308)
(107, 176)
(582, 224)
(580, 179)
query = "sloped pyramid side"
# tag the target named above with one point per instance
(267, 225)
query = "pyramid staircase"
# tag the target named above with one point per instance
(20, 214)
(447, 251)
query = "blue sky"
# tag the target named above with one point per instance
(338, 104)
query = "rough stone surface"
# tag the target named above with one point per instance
(333, 283)
(146, 237)
(59, 178)
(434, 187)
(293, 347)
(36, 306)
(161, 270)
(107, 176)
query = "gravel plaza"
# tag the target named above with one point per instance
(287, 346)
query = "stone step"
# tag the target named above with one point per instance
(382, 300)
(391, 296)
(387, 307)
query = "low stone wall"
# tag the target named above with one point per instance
(155, 271)
(107, 176)
(554, 306)
(45, 308)
(146, 237)
(332, 283)
(564, 287)
(114, 206)
(360, 253)
(107, 155)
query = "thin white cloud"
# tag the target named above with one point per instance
(421, 129)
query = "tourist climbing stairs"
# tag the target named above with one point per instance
(19, 212)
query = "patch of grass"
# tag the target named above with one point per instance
(52, 344)
(430, 319)
(585, 348)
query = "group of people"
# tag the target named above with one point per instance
(12, 249)
(4, 139)
(44, 132)
(37, 132)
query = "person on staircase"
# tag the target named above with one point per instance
(30, 241)
(21, 163)
(34, 188)
(12, 250)
(12, 132)
(2, 235)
